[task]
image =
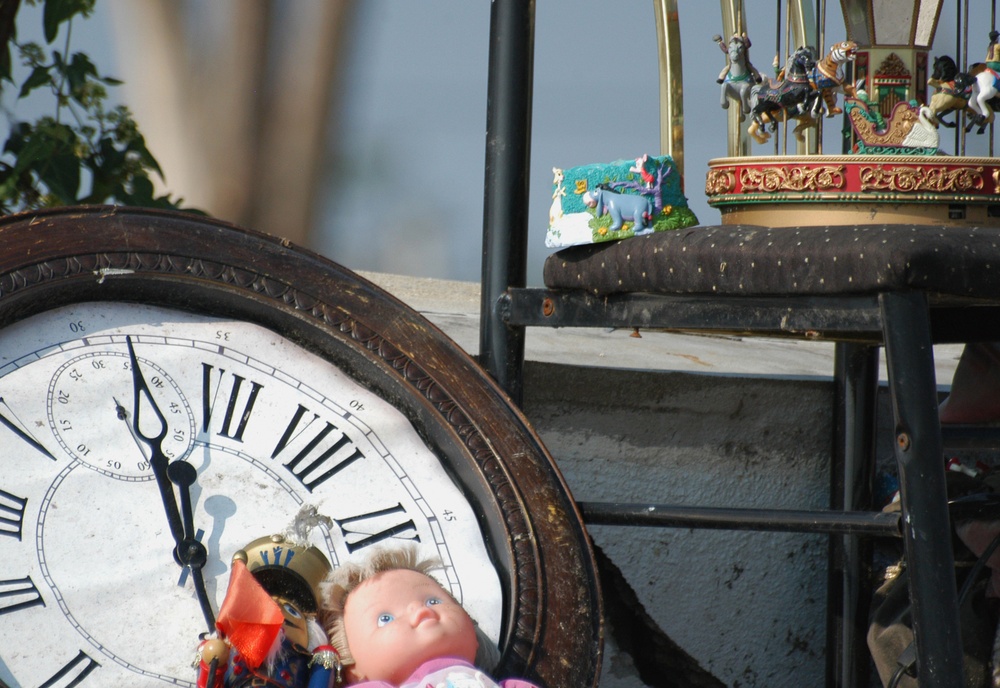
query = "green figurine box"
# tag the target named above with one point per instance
(607, 202)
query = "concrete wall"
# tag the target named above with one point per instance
(747, 606)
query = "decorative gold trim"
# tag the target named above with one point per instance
(778, 199)
(792, 178)
(920, 179)
(892, 68)
(720, 182)
(854, 159)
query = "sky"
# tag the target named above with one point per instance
(405, 176)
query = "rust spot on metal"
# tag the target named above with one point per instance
(548, 308)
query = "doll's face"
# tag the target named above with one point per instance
(400, 619)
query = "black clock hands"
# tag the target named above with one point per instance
(157, 459)
(189, 552)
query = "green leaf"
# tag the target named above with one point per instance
(78, 70)
(58, 11)
(50, 154)
(39, 77)
(5, 63)
(34, 148)
(142, 191)
(15, 140)
(61, 174)
(147, 159)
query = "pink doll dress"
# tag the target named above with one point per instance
(448, 673)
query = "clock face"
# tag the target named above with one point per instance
(268, 426)
(133, 343)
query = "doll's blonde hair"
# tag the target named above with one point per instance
(342, 581)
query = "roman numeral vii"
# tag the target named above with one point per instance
(235, 394)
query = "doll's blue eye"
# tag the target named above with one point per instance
(431, 601)
(383, 619)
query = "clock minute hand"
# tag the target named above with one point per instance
(189, 552)
(157, 459)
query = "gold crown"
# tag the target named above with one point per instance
(286, 569)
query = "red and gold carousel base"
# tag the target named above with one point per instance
(851, 189)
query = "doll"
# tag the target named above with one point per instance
(394, 626)
(268, 632)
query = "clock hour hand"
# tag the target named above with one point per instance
(189, 552)
(158, 461)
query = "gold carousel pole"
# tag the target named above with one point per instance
(732, 22)
(820, 50)
(802, 23)
(668, 37)
(964, 47)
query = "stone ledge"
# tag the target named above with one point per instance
(454, 307)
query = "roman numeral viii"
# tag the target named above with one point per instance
(234, 394)
(73, 672)
(321, 450)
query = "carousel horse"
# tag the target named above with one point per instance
(828, 75)
(739, 75)
(984, 99)
(793, 97)
(954, 88)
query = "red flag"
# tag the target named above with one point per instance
(249, 618)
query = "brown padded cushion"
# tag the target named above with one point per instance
(750, 260)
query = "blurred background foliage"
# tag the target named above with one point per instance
(83, 150)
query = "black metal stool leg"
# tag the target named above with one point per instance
(851, 477)
(919, 455)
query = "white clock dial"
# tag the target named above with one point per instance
(89, 585)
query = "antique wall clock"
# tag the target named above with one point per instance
(152, 363)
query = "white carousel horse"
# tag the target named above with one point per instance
(984, 92)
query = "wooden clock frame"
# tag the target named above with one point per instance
(551, 630)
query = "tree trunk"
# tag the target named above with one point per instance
(235, 98)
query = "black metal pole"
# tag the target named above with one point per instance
(919, 456)
(870, 524)
(851, 477)
(505, 205)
